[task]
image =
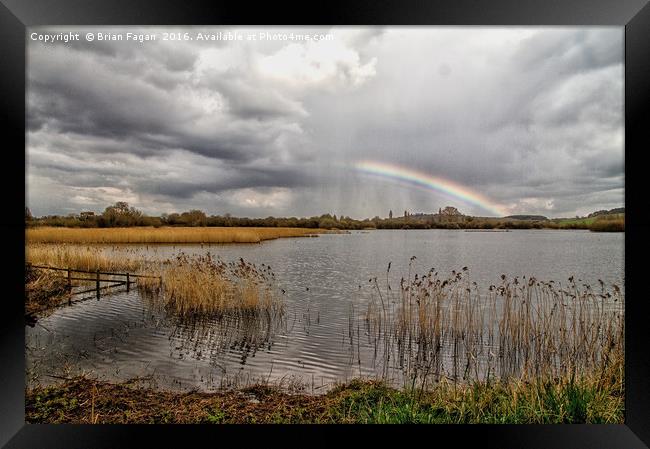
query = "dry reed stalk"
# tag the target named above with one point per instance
(79, 257)
(150, 235)
(203, 286)
(522, 328)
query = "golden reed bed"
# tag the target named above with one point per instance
(189, 286)
(163, 235)
(196, 286)
(80, 257)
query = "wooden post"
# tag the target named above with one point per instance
(69, 282)
(128, 283)
(97, 283)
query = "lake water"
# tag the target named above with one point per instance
(123, 335)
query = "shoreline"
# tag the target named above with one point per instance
(82, 400)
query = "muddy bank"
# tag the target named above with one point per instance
(82, 400)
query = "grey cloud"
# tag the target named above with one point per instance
(259, 105)
(238, 179)
(570, 50)
(527, 121)
(149, 109)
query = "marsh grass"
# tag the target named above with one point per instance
(600, 223)
(537, 402)
(44, 290)
(80, 257)
(189, 287)
(433, 328)
(607, 224)
(176, 235)
(202, 286)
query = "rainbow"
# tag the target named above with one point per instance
(395, 172)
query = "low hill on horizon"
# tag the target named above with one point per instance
(527, 217)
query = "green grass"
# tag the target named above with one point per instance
(541, 403)
(600, 223)
(575, 222)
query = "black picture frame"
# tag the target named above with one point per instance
(634, 15)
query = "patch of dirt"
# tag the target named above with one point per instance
(82, 400)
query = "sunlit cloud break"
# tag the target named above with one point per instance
(396, 172)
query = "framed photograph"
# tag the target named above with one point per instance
(326, 220)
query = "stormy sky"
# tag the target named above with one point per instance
(530, 118)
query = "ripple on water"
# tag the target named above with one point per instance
(121, 335)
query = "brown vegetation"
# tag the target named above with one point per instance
(435, 327)
(188, 286)
(203, 286)
(44, 290)
(601, 224)
(175, 235)
(79, 257)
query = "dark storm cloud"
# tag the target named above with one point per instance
(530, 118)
(93, 100)
(243, 178)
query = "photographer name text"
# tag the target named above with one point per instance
(51, 38)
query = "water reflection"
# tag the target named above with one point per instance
(208, 339)
(322, 336)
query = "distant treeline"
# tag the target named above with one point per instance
(122, 215)
(618, 210)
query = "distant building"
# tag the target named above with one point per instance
(86, 215)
